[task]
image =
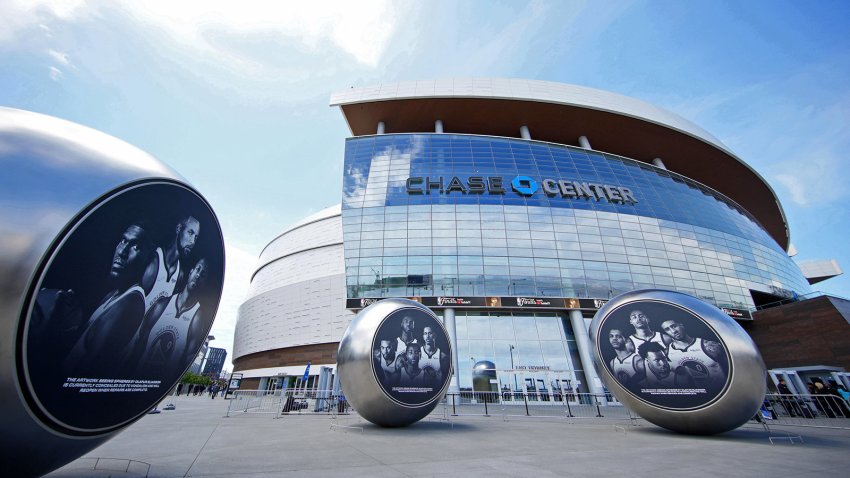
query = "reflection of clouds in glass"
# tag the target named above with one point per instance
(369, 188)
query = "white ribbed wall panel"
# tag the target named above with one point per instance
(303, 313)
(297, 294)
(320, 233)
(300, 267)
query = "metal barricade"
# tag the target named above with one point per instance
(830, 411)
(254, 401)
(797, 410)
(287, 402)
(534, 404)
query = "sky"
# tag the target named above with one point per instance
(234, 95)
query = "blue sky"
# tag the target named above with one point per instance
(234, 95)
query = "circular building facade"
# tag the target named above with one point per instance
(515, 209)
(294, 311)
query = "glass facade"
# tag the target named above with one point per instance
(527, 349)
(679, 235)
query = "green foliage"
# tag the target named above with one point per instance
(195, 379)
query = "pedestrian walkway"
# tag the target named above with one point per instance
(197, 440)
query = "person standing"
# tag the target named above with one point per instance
(787, 399)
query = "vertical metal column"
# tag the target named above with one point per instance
(658, 163)
(451, 328)
(584, 347)
(524, 133)
(438, 126)
(322, 390)
(381, 127)
(584, 142)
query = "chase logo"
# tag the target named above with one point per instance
(524, 185)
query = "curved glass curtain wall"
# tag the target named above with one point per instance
(680, 235)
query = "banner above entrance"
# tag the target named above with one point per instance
(500, 302)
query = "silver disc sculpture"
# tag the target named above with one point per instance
(111, 268)
(394, 362)
(678, 362)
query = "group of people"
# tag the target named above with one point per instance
(830, 399)
(196, 389)
(669, 358)
(150, 320)
(411, 360)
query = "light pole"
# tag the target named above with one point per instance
(516, 384)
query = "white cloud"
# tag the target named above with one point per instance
(216, 27)
(19, 15)
(59, 57)
(55, 73)
(257, 40)
(814, 176)
(239, 266)
(795, 186)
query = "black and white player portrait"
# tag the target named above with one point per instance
(164, 268)
(664, 354)
(385, 363)
(626, 364)
(133, 277)
(172, 330)
(411, 356)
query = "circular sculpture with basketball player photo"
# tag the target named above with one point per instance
(664, 354)
(411, 363)
(394, 362)
(124, 302)
(677, 361)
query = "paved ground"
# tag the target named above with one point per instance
(197, 440)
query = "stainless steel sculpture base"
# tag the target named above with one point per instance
(728, 409)
(356, 367)
(51, 171)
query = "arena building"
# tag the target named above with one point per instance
(514, 209)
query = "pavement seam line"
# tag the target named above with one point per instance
(201, 450)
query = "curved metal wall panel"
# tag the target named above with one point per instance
(320, 233)
(310, 264)
(307, 312)
(297, 294)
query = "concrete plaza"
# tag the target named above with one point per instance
(197, 440)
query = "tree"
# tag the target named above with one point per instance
(195, 379)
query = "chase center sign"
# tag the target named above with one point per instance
(522, 185)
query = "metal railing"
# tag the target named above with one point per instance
(829, 411)
(285, 402)
(536, 404)
(797, 410)
(799, 298)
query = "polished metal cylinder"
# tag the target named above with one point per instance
(61, 183)
(394, 362)
(677, 361)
